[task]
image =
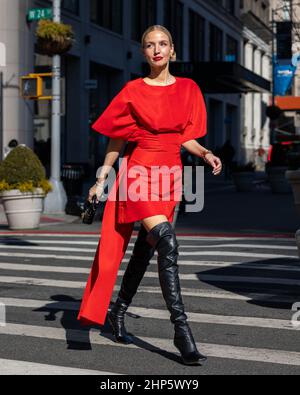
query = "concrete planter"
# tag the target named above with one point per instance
(277, 179)
(23, 209)
(293, 177)
(244, 181)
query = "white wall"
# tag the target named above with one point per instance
(15, 34)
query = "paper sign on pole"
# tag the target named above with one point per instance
(2, 55)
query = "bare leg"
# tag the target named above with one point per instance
(150, 222)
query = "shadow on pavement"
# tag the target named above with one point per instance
(272, 283)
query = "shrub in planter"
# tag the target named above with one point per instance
(23, 187)
(53, 38)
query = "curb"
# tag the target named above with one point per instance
(183, 234)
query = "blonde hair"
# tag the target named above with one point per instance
(164, 30)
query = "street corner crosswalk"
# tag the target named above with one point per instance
(241, 294)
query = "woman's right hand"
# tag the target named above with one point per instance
(97, 190)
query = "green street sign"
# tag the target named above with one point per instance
(35, 14)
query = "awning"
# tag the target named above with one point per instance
(288, 103)
(222, 77)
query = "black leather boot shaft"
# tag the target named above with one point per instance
(134, 273)
(163, 238)
(137, 266)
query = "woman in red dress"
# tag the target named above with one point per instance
(157, 115)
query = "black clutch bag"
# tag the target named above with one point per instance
(89, 212)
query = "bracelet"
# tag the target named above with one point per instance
(205, 153)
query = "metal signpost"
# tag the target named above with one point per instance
(56, 200)
(2, 64)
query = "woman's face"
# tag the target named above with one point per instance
(157, 48)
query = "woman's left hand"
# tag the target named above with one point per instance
(215, 163)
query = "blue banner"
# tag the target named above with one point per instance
(284, 75)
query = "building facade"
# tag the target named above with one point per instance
(257, 40)
(209, 35)
(288, 12)
(17, 116)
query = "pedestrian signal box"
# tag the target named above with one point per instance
(32, 86)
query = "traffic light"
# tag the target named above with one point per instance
(31, 86)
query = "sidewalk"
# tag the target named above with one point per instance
(226, 212)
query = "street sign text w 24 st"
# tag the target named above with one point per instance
(35, 14)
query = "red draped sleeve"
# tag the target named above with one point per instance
(117, 121)
(197, 125)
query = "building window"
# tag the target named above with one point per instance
(215, 44)
(230, 6)
(107, 14)
(143, 15)
(173, 21)
(71, 6)
(218, 2)
(287, 10)
(231, 50)
(197, 37)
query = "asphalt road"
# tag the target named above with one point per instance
(238, 294)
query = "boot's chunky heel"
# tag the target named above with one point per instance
(116, 319)
(162, 237)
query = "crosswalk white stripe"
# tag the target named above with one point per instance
(14, 367)
(90, 259)
(245, 279)
(183, 246)
(186, 253)
(186, 237)
(263, 246)
(211, 350)
(159, 314)
(147, 289)
(68, 269)
(50, 256)
(237, 254)
(41, 268)
(186, 277)
(216, 294)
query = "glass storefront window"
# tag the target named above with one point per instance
(216, 44)
(231, 50)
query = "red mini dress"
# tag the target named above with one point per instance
(156, 120)
(159, 119)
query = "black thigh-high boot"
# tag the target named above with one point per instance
(136, 268)
(162, 237)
